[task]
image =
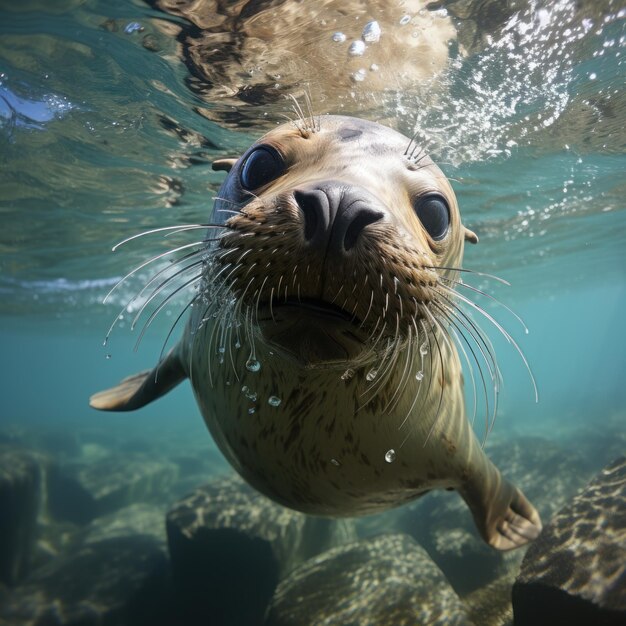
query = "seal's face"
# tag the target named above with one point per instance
(341, 238)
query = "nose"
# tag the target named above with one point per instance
(335, 214)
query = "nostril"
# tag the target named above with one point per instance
(314, 207)
(363, 218)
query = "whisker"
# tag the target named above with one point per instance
(462, 269)
(460, 283)
(148, 262)
(171, 330)
(160, 288)
(163, 229)
(452, 312)
(507, 336)
(160, 307)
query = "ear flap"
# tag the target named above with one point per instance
(470, 235)
(223, 165)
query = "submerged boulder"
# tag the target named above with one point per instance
(82, 491)
(230, 545)
(121, 581)
(382, 581)
(21, 488)
(143, 519)
(575, 572)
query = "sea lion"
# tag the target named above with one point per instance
(321, 344)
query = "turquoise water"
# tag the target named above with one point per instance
(101, 137)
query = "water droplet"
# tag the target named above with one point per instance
(404, 20)
(251, 410)
(419, 375)
(356, 49)
(373, 67)
(251, 395)
(390, 456)
(252, 365)
(237, 344)
(371, 32)
(335, 462)
(424, 349)
(274, 401)
(358, 76)
(347, 375)
(339, 37)
(371, 375)
(222, 349)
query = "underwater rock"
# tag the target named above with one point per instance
(575, 572)
(59, 443)
(440, 522)
(143, 519)
(229, 542)
(385, 580)
(491, 605)
(81, 492)
(21, 473)
(121, 581)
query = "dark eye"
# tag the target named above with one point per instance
(434, 214)
(261, 166)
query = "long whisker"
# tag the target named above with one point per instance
(169, 334)
(460, 283)
(160, 288)
(148, 262)
(161, 230)
(162, 305)
(462, 269)
(506, 335)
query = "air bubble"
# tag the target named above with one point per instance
(359, 76)
(371, 375)
(251, 410)
(390, 456)
(108, 356)
(424, 349)
(339, 37)
(419, 376)
(252, 365)
(404, 20)
(335, 462)
(274, 401)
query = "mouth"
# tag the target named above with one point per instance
(317, 308)
(312, 331)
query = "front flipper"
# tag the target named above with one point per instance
(503, 515)
(140, 389)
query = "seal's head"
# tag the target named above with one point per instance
(341, 241)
